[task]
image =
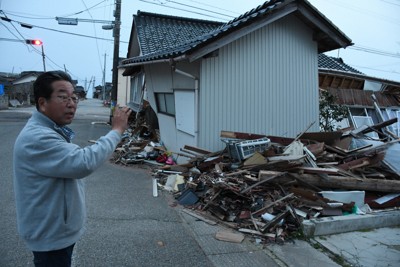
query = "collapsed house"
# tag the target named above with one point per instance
(210, 86)
(256, 73)
(266, 186)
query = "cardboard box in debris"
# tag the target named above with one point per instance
(267, 185)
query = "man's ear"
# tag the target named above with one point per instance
(42, 104)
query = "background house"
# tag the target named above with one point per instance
(6, 80)
(257, 73)
(355, 90)
(103, 92)
(22, 87)
(18, 88)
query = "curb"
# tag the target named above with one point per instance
(350, 223)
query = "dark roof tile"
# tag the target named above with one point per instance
(332, 63)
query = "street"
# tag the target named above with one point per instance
(126, 225)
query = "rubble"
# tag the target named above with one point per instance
(265, 186)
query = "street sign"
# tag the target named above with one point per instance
(67, 21)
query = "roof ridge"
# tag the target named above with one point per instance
(157, 15)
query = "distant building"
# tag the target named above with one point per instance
(80, 91)
(100, 93)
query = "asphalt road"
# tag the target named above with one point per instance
(126, 225)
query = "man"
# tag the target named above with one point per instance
(48, 171)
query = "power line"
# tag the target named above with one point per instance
(380, 70)
(95, 33)
(390, 3)
(87, 9)
(181, 9)
(38, 17)
(215, 7)
(202, 9)
(374, 51)
(71, 33)
(365, 11)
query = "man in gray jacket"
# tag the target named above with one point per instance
(48, 171)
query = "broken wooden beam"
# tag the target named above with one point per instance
(261, 182)
(275, 221)
(257, 212)
(350, 183)
(362, 162)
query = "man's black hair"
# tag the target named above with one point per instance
(42, 87)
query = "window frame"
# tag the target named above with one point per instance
(165, 103)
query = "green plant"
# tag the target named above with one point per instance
(330, 112)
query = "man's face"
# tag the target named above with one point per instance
(60, 107)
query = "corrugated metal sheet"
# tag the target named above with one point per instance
(274, 71)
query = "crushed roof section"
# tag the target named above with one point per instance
(332, 63)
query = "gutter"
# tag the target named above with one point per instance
(165, 60)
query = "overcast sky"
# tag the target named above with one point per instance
(372, 25)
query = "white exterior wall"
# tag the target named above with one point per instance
(161, 79)
(263, 83)
(123, 87)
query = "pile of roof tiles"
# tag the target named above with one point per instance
(267, 185)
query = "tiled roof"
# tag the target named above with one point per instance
(161, 32)
(161, 37)
(183, 45)
(332, 63)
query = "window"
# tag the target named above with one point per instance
(165, 103)
(390, 114)
(136, 88)
(365, 120)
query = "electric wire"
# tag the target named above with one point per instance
(165, 4)
(374, 51)
(71, 33)
(361, 10)
(215, 7)
(181, 9)
(95, 34)
(87, 9)
(202, 9)
(390, 3)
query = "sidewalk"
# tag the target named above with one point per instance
(375, 247)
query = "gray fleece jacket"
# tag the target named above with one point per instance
(49, 191)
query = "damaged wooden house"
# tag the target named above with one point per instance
(207, 86)
(256, 73)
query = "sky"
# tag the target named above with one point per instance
(86, 50)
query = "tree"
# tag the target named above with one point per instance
(330, 112)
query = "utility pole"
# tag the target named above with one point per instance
(93, 89)
(117, 27)
(104, 79)
(44, 59)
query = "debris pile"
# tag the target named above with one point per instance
(267, 185)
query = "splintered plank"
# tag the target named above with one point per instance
(362, 162)
(199, 217)
(229, 236)
(261, 182)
